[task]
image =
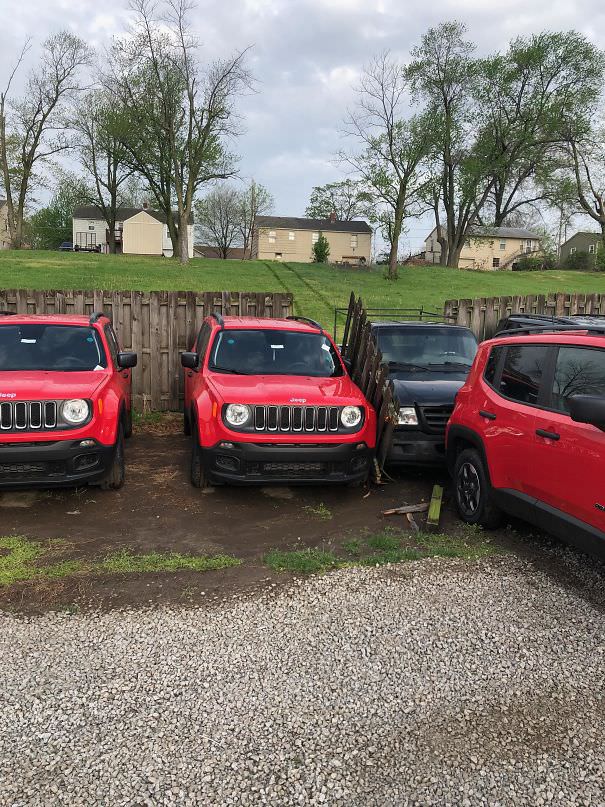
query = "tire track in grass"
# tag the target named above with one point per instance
(313, 290)
(287, 288)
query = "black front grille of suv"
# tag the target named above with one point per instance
(435, 418)
(27, 416)
(299, 419)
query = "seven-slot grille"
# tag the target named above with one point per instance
(436, 417)
(21, 416)
(296, 418)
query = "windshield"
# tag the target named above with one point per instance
(50, 347)
(271, 352)
(427, 347)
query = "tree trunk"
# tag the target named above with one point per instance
(184, 238)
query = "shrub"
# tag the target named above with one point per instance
(321, 250)
(579, 261)
(535, 263)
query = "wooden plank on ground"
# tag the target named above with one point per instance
(432, 521)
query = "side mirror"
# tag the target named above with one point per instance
(190, 360)
(126, 360)
(588, 409)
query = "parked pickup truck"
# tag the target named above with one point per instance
(65, 404)
(428, 363)
(270, 400)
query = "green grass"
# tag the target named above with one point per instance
(382, 548)
(320, 511)
(22, 560)
(316, 288)
(126, 562)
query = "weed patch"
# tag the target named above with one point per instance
(302, 561)
(126, 562)
(320, 511)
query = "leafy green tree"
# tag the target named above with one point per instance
(321, 250)
(348, 200)
(255, 200)
(51, 225)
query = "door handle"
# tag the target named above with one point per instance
(548, 435)
(487, 415)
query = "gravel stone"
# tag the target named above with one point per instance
(429, 683)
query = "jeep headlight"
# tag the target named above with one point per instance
(75, 411)
(237, 414)
(350, 416)
(407, 416)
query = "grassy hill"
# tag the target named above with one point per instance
(317, 289)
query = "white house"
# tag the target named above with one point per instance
(139, 231)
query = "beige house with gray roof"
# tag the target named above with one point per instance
(489, 248)
(289, 239)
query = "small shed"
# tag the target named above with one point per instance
(143, 235)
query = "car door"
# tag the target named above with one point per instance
(506, 410)
(194, 378)
(569, 456)
(121, 377)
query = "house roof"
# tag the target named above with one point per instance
(122, 213)
(293, 223)
(587, 233)
(500, 232)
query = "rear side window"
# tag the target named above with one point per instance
(522, 373)
(491, 367)
(578, 371)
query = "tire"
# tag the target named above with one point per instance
(186, 423)
(197, 473)
(115, 476)
(473, 491)
(128, 424)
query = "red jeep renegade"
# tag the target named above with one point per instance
(527, 434)
(271, 400)
(64, 401)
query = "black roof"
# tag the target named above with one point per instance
(122, 213)
(409, 322)
(293, 223)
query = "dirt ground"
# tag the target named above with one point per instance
(158, 510)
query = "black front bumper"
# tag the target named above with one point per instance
(57, 463)
(320, 463)
(415, 447)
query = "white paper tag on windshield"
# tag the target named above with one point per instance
(28, 341)
(98, 367)
(326, 347)
(277, 347)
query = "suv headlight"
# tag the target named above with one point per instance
(237, 414)
(75, 411)
(407, 416)
(350, 416)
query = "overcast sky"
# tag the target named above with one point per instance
(306, 56)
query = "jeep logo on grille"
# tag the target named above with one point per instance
(8, 394)
(298, 400)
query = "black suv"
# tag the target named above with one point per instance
(523, 322)
(428, 363)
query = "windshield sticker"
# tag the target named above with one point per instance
(277, 347)
(28, 341)
(326, 347)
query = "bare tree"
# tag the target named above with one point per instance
(218, 217)
(180, 116)
(31, 128)
(102, 155)
(254, 201)
(588, 168)
(392, 162)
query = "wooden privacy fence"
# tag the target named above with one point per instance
(483, 314)
(360, 351)
(157, 325)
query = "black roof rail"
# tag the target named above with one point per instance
(307, 320)
(599, 331)
(8, 313)
(219, 318)
(96, 315)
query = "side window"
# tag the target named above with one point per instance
(202, 341)
(578, 371)
(522, 372)
(491, 366)
(112, 341)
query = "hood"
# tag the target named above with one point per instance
(427, 388)
(42, 385)
(286, 389)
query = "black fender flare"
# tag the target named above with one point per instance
(463, 434)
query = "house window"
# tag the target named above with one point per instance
(91, 226)
(278, 256)
(315, 238)
(291, 236)
(502, 245)
(572, 250)
(271, 236)
(496, 263)
(353, 241)
(591, 249)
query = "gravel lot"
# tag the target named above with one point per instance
(434, 682)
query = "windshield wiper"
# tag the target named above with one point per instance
(407, 365)
(228, 370)
(451, 364)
